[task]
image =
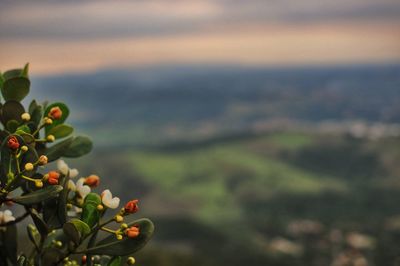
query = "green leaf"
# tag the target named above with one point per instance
(39, 195)
(12, 125)
(33, 234)
(7, 160)
(25, 71)
(65, 113)
(36, 112)
(12, 110)
(13, 73)
(127, 246)
(90, 215)
(15, 89)
(1, 80)
(92, 198)
(28, 138)
(55, 210)
(32, 106)
(56, 151)
(80, 146)
(23, 129)
(41, 225)
(115, 261)
(55, 235)
(75, 230)
(51, 256)
(61, 131)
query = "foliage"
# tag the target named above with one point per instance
(67, 216)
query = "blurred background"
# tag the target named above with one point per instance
(258, 132)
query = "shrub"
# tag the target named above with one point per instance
(67, 216)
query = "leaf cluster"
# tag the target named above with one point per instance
(65, 222)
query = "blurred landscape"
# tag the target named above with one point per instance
(256, 132)
(248, 165)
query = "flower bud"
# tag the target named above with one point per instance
(38, 183)
(50, 138)
(26, 116)
(130, 261)
(48, 121)
(58, 244)
(55, 113)
(119, 236)
(131, 206)
(24, 148)
(52, 177)
(132, 231)
(29, 167)
(124, 226)
(118, 218)
(13, 143)
(84, 258)
(92, 181)
(100, 207)
(43, 160)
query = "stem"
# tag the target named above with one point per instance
(38, 129)
(40, 140)
(91, 244)
(17, 163)
(108, 230)
(29, 178)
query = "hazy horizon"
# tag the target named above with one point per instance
(60, 36)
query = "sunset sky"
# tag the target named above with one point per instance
(71, 36)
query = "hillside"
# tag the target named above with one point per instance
(178, 102)
(285, 198)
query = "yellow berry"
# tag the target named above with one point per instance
(26, 116)
(38, 183)
(58, 244)
(29, 167)
(51, 138)
(131, 261)
(100, 207)
(118, 218)
(48, 121)
(43, 160)
(119, 237)
(24, 148)
(124, 226)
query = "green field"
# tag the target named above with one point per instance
(270, 199)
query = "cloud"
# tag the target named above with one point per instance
(57, 36)
(279, 45)
(113, 19)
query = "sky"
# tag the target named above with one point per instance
(74, 36)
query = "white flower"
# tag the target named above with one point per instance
(71, 185)
(6, 217)
(64, 169)
(81, 188)
(73, 173)
(108, 200)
